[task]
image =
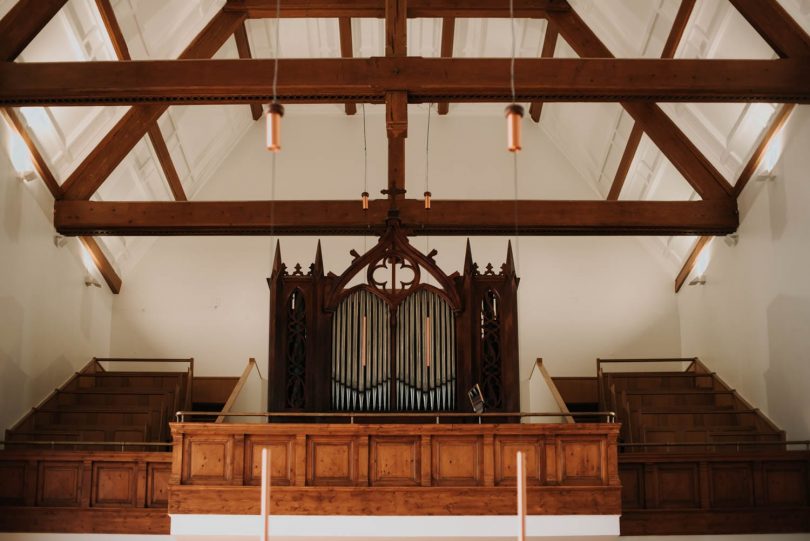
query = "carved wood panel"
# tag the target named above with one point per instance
(208, 460)
(457, 460)
(583, 462)
(59, 484)
(282, 459)
(731, 485)
(332, 461)
(395, 461)
(678, 486)
(114, 484)
(157, 489)
(632, 477)
(786, 484)
(506, 449)
(12, 487)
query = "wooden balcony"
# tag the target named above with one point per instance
(394, 469)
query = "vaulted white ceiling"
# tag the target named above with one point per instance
(592, 136)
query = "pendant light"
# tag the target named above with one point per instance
(514, 115)
(364, 195)
(274, 114)
(276, 110)
(514, 112)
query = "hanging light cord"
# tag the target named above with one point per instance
(512, 63)
(275, 52)
(273, 157)
(514, 154)
(365, 174)
(427, 182)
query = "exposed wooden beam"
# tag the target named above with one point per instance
(624, 164)
(23, 22)
(158, 143)
(165, 159)
(673, 143)
(448, 33)
(752, 165)
(243, 47)
(334, 80)
(266, 9)
(396, 35)
(347, 218)
(135, 123)
(549, 43)
(690, 262)
(345, 28)
(102, 263)
(775, 26)
(37, 159)
(396, 124)
(670, 47)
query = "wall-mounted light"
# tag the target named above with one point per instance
(427, 200)
(89, 281)
(698, 280)
(59, 241)
(731, 239)
(365, 200)
(274, 114)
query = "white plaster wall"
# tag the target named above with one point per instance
(751, 321)
(51, 324)
(580, 297)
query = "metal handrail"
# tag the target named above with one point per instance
(121, 444)
(806, 443)
(180, 416)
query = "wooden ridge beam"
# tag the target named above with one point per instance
(158, 143)
(136, 122)
(673, 143)
(549, 44)
(448, 35)
(671, 45)
(243, 48)
(444, 218)
(336, 80)
(776, 27)
(266, 9)
(102, 263)
(346, 51)
(22, 24)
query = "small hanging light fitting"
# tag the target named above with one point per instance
(514, 115)
(427, 200)
(274, 114)
(365, 200)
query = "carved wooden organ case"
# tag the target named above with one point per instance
(392, 333)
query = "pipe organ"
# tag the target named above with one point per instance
(392, 333)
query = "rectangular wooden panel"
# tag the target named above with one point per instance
(785, 484)
(208, 460)
(157, 485)
(583, 462)
(457, 461)
(59, 484)
(678, 486)
(332, 460)
(12, 486)
(395, 461)
(506, 449)
(731, 485)
(282, 459)
(114, 484)
(632, 477)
